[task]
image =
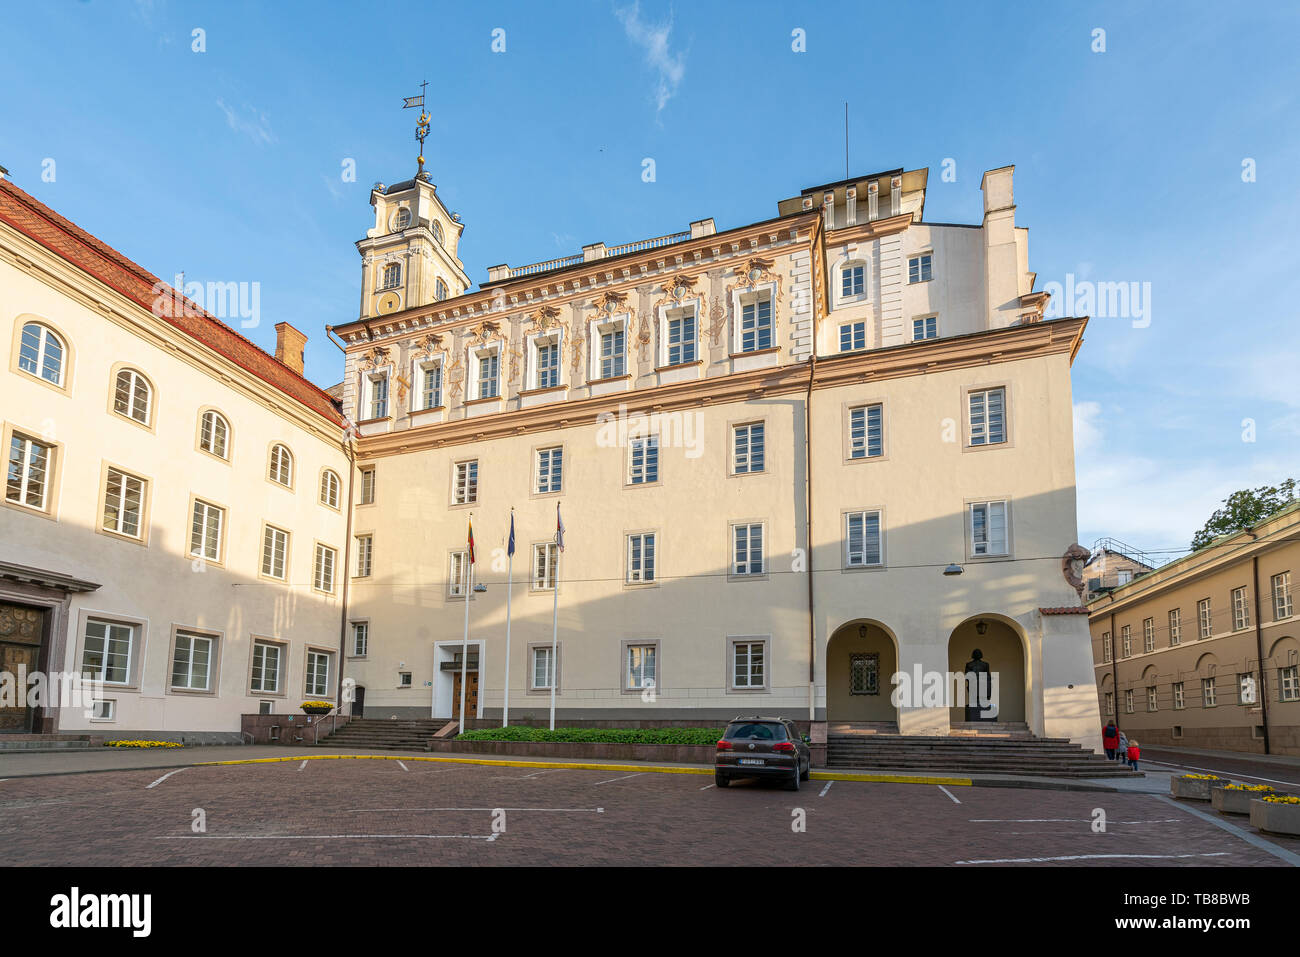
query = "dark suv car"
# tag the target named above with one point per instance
(762, 748)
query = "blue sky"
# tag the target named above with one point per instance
(227, 163)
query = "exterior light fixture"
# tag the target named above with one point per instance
(480, 588)
(981, 627)
(953, 569)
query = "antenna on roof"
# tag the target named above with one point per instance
(846, 139)
(421, 125)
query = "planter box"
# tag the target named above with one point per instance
(1195, 789)
(1275, 818)
(1233, 802)
(578, 751)
(317, 710)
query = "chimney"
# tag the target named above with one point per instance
(290, 346)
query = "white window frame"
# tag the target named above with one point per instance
(924, 262)
(1110, 702)
(360, 639)
(1148, 634)
(132, 632)
(208, 421)
(1175, 626)
(1240, 609)
(209, 544)
(637, 660)
(27, 448)
(387, 270)
(280, 462)
(324, 568)
(477, 356)
(596, 329)
(421, 401)
(747, 456)
(534, 654)
(211, 648)
(1209, 693)
(271, 535)
(844, 272)
(458, 573)
(989, 549)
(552, 338)
(859, 558)
(1180, 696)
(313, 677)
(926, 324)
(137, 385)
(259, 685)
(118, 526)
(611, 363)
(1126, 639)
(545, 558)
(688, 350)
(1288, 683)
(1204, 619)
(857, 331)
(365, 546)
(744, 568)
(464, 482)
(1283, 604)
(42, 356)
(860, 445)
(376, 394)
(1107, 647)
(979, 430)
(367, 482)
(548, 470)
(1128, 701)
(741, 301)
(331, 488)
(641, 558)
(733, 664)
(648, 448)
(1152, 699)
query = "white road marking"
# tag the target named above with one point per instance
(1094, 857)
(403, 766)
(1291, 857)
(1062, 820)
(707, 786)
(1226, 774)
(303, 765)
(825, 789)
(949, 793)
(374, 810)
(623, 778)
(547, 771)
(320, 837)
(165, 777)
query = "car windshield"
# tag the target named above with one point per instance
(756, 731)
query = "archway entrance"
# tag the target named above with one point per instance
(861, 660)
(1002, 649)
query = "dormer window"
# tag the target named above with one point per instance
(437, 232)
(392, 276)
(402, 219)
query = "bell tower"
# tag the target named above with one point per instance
(408, 257)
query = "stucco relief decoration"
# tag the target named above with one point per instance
(455, 378)
(373, 358)
(643, 340)
(544, 319)
(426, 346)
(484, 332)
(23, 623)
(1072, 565)
(717, 322)
(758, 271)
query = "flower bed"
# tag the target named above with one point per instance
(317, 707)
(1237, 798)
(1196, 787)
(143, 744)
(1277, 814)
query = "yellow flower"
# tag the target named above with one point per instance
(1281, 799)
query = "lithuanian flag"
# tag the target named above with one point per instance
(471, 541)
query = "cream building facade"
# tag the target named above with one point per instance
(175, 510)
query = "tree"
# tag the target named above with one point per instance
(1244, 509)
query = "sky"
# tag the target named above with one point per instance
(1155, 145)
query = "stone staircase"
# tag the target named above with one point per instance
(386, 734)
(981, 750)
(21, 742)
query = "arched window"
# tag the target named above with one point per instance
(133, 396)
(402, 219)
(440, 290)
(437, 231)
(392, 276)
(41, 353)
(214, 434)
(281, 470)
(329, 488)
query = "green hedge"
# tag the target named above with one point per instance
(696, 736)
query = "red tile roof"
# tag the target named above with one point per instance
(66, 239)
(1065, 610)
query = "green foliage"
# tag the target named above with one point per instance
(696, 736)
(1244, 509)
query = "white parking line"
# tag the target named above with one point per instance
(373, 810)
(950, 794)
(707, 786)
(403, 766)
(547, 771)
(1062, 820)
(303, 765)
(825, 789)
(320, 837)
(165, 777)
(1094, 857)
(1226, 774)
(623, 778)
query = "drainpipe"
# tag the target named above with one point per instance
(347, 540)
(808, 525)
(1114, 665)
(1259, 648)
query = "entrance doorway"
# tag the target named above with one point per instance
(359, 701)
(471, 694)
(22, 630)
(861, 661)
(1003, 651)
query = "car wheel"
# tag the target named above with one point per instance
(807, 771)
(795, 777)
(721, 780)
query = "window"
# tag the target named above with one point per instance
(437, 232)
(988, 528)
(920, 268)
(108, 652)
(544, 560)
(640, 558)
(131, 396)
(1110, 703)
(205, 530)
(852, 281)
(489, 376)
(1203, 620)
(548, 364)
(866, 432)
(756, 324)
(681, 337)
(1240, 610)
(281, 466)
(439, 290)
(40, 353)
(1246, 688)
(214, 434)
(925, 328)
(1207, 693)
(465, 488)
(1123, 576)
(747, 550)
(747, 664)
(543, 670)
(323, 568)
(367, 487)
(192, 662)
(853, 335)
(27, 476)
(360, 638)
(1126, 634)
(377, 388)
(1180, 698)
(1282, 607)
(864, 673)
(458, 575)
(862, 539)
(329, 488)
(275, 551)
(266, 668)
(611, 353)
(318, 674)
(430, 381)
(1288, 683)
(641, 668)
(103, 710)
(403, 679)
(1107, 649)
(1128, 701)
(550, 470)
(1148, 634)
(365, 555)
(392, 276)
(123, 503)
(1175, 626)
(748, 447)
(987, 417)
(643, 464)
(1151, 698)
(402, 219)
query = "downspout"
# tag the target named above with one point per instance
(1114, 665)
(347, 540)
(1259, 649)
(808, 525)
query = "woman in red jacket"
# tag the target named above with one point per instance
(1110, 739)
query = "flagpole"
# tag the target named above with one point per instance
(555, 631)
(510, 568)
(464, 642)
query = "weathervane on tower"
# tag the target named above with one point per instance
(421, 125)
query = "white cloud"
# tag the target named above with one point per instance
(252, 123)
(653, 39)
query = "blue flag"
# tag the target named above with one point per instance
(510, 548)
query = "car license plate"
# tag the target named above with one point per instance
(752, 761)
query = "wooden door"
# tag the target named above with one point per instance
(471, 694)
(14, 713)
